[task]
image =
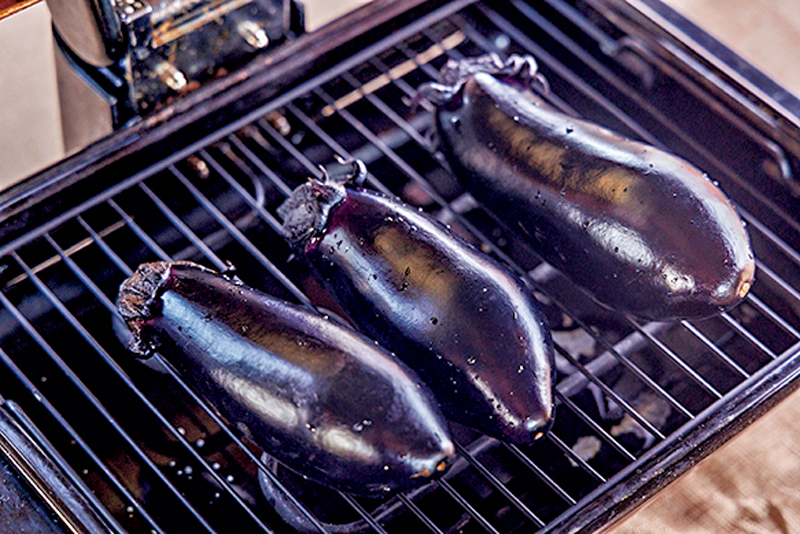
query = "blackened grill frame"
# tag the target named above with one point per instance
(643, 474)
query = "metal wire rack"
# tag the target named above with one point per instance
(629, 394)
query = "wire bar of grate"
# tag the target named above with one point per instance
(630, 410)
(140, 233)
(100, 241)
(499, 486)
(787, 288)
(387, 151)
(439, 48)
(108, 475)
(419, 514)
(591, 423)
(53, 260)
(400, 83)
(242, 239)
(761, 306)
(427, 68)
(747, 335)
(677, 360)
(385, 110)
(271, 175)
(471, 511)
(714, 348)
(183, 228)
(544, 477)
(572, 455)
(366, 515)
(265, 215)
(774, 238)
(312, 168)
(31, 330)
(338, 149)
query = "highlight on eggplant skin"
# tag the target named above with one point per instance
(464, 322)
(641, 230)
(317, 396)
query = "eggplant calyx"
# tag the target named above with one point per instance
(305, 213)
(138, 302)
(522, 70)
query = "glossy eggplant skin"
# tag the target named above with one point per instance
(464, 322)
(319, 397)
(641, 230)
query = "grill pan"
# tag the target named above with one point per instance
(637, 403)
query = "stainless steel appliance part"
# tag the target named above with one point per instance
(119, 60)
(201, 179)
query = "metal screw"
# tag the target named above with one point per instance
(171, 76)
(253, 33)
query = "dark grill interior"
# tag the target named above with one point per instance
(627, 393)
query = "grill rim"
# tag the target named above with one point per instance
(760, 392)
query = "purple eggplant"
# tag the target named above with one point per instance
(317, 396)
(468, 325)
(641, 230)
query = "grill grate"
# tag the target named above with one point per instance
(162, 461)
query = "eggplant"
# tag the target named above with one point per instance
(467, 324)
(319, 397)
(641, 230)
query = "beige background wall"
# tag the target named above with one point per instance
(30, 128)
